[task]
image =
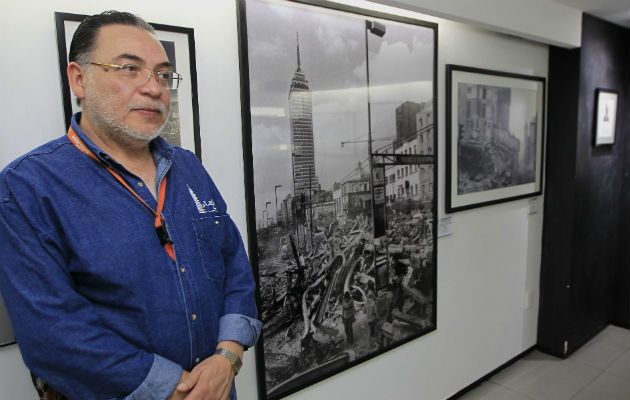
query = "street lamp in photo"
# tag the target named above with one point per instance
(378, 29)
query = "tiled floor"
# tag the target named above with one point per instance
(600, 370)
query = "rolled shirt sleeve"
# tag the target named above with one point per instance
(239, 328)
(160, 383)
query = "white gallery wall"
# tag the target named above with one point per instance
(488, 270)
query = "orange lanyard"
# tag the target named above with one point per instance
(160, 226)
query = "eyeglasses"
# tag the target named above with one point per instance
(133, 73)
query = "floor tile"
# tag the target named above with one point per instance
(600, 352)
(491, 391)
(621, 367)
(600, 370)
(617, 336)
(551, 380)
(524, 368)
(606, 387)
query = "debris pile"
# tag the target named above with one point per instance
(389, 281)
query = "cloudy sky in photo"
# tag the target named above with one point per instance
(332, 55)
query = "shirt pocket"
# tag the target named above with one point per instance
(210, 235)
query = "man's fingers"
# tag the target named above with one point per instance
(189, 382)
(213, 379)
(215, 389)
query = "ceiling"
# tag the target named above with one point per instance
(615, 11)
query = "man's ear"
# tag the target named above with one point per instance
(76, 79)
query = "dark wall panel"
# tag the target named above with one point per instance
(584, 269)
(557, 248)
(600, 175)
(622, 289)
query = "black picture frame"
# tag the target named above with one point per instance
(179, 42)
(322, 104)
(605, 117)
(495, 133)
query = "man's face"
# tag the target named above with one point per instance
(114, 103)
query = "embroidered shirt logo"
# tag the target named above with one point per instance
(202, 207)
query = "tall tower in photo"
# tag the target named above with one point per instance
(302, 146)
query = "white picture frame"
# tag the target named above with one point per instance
(605, 117)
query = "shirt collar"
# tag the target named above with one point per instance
(159, 147)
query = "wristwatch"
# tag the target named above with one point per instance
(235, 360)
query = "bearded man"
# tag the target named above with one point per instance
(122, 272)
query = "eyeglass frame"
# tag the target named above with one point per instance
(176, 76)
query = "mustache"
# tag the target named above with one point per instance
(157, 106)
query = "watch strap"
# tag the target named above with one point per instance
(235, 360)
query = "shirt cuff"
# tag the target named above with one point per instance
(239, 328)
(160, 382)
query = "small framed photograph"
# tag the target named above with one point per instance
(605, 116)
(494, 137)
(179, 43)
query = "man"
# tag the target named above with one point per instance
(347, 316)
(120, 268)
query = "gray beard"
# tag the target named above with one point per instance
(108, 124)
(106, 120)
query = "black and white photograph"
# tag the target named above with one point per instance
(342, 184)
(494, 136)
(179, 44)
(605, 116)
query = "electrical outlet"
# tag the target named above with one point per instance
(529, 299)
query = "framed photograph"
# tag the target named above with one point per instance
(339, 132)
(605, 116)
(494, 137)
(179, 43)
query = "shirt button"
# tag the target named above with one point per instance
(140, 184)
(194, 317)
(182, 269)
(197, 360)
(216, 222)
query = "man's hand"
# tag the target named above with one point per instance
(211, 379)
(177, 395)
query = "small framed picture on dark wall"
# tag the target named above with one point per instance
(605, 117)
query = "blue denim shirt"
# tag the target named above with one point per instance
(99, 309)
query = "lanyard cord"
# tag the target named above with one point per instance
(160, 225)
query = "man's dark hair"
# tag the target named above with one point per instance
(84, 38)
